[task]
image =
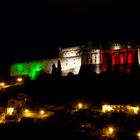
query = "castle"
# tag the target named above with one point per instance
(72, 58)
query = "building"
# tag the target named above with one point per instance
(71, 59)
(120, 108)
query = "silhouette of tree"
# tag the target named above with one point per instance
(87, 71)
(41, 75)
(70, 74)
(54, 70)
(59, 68)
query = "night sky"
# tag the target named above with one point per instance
(35, 30)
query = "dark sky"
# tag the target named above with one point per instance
(34, 30)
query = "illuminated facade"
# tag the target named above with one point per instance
(69, 59)
(72, 58)
(124, 56)
(120, 108)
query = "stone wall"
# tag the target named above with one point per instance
(31, 69)
(69, 52)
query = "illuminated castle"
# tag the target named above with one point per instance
(71, 59)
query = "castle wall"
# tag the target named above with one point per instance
(96, 56)
(69, 52)
(31, 69)
(71, 64)
(72, 58)
(91, 56)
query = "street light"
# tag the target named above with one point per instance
(28, 113)
(110, 130)
(42, 112)
(2, 84)
(19, 79)
(26, 110)
(80, 105)
(138, 134)
(136, 109)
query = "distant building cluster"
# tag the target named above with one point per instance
(72, 58)
(16, 110)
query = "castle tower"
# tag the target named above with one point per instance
(86, 56)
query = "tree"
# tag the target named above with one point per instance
(59, 68)
(70, 74)
(41, 75)
(54, 70)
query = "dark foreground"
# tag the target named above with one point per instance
(81, 125)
